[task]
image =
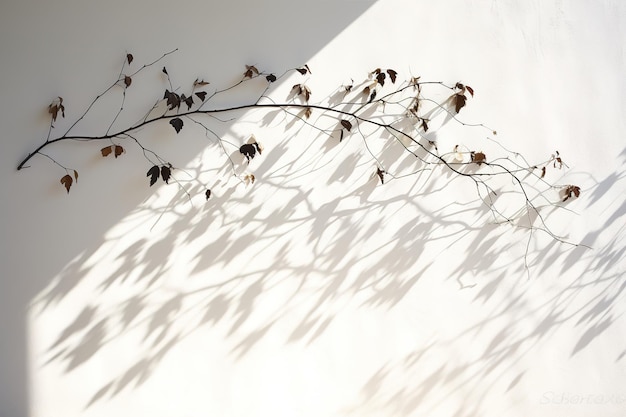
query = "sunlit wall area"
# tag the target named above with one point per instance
(314, 289)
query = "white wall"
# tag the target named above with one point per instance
(316, 291)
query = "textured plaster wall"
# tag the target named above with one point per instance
(317, 291)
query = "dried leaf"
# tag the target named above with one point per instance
(470, 89)
(307, 112)
(307, 93)
(127, 81)
(177, 124)
(67, 182)
(248, 150)
(571, 190)
(459, 101)
(164, 71)
(188, 101)
(173, 99)
(106, 151)
(200, 83)
(201, 95)
(118, 150)
(270, 78)
(392, 75)
(425, 125)
(347, 125)
(543, 172)
(307, 68)
(302, 71)
(366, 91)
(381, 78)
(153, 173)
(478, 157)
(76, 175)
(381, 175)
(129, 58)
(251, 71)
(207, 194)
(166, 173)
(372, 96)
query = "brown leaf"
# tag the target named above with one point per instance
(129, 58)
(53, 109)
(207, 194)
(302, 71)
(470, 89)
(425, 125)
(307, 68)
(164, 71)
(106, 151)
(251, 71)
(478, 157)
(200, 83)
(571, 190)
(381, 78)
(127, 81)
(307, 93)
(459, 101)
(67, 182)
(392, 75)
(307, 112)
(347, 125)
(118, 150)
(270, 78)
(201, 95)
(76, 175)
(543, 172)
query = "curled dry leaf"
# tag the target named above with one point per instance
(207, 194)
(381, 78)
(249, 179)
(129, 58)
(270, 78)
(470, 89)
(127, 81)
(55, 107)
(570, 191)
(251, 71)
(76, 175)
(347, 125)
(67, 182)
(478, 157)
(393, 75)
(381, 174)
(201, 95)
(118, 150)
(200, 83)
(307, 112)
